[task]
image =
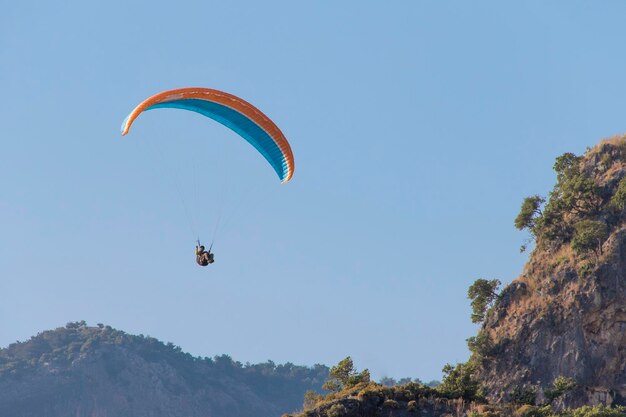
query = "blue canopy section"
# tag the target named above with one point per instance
(240, 124)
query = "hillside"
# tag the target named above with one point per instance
(98, 371)
(565, 315)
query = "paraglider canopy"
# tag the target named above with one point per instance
(233, 112)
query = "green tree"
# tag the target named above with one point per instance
(574, 196)
(589, 236)
(576, 192)
(551, 227)
(358, 378)
(524, 395)
(618, 201)
(458, 382)
(560, 386)
(482, 292)
(530, 211)
(480, 345)
(566, 165)
(343, 375)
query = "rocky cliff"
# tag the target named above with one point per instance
(101, 372)
(553, 342)
(565, 315)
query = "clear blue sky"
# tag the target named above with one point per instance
(417, 128)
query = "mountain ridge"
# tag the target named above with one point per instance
(99, 371)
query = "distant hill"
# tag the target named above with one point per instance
(82, 371)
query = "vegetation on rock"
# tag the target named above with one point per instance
(456, 396)
(586, 203)
(343, 375)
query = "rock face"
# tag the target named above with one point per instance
(566, 314)
(101, 372)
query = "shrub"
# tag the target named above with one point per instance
(532, 411)
(524, 395)
(458, 382)
(311, 398)
(391, 404)
(618, 201)
(480, 345)
(589, 236)
(597, 411)
(368, 393)
(560, 386)
(337, 410)
(585, 269)
(564, 384)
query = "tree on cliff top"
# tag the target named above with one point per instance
(578, 195)
(343, 375)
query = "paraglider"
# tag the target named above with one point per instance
(231, 111)
(203, 257)
(236, 114)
